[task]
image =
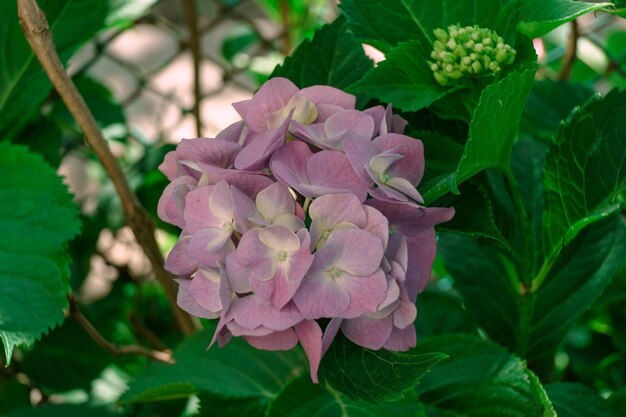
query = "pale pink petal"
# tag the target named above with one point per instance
(366, 293)
(405, 187)
(253, 311)
(187, 302)
(406, 313)
(241, 107)
(284, 340)
(198, 249)
(377, 224)
(367, 332)
(330, 332)
(246, 214)
(279, 238)
(233, 133)
(329, 95)
(171, 205)
(288, 164)
(205, 289)
(238, 275)
(361, 252)
(310, 337)
(274, 201)
(319, 296)
(325, 110)
(350, 122)
(411, 167)
(272, 96)
(221, 203)
(254, 155)
(359, 153)
(401, 340)
(197, 212)
(377, 113)
(169, 166)
(178, 260)
(332, 170)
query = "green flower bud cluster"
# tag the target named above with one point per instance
(471, 50)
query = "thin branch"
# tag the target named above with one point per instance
(155, 355)
(194, 45)
(286, 23)
(144, 332)
(570, 52)
(37, 32)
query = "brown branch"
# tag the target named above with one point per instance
(570, 52)
(144, 332)
(37, 32)
(194, 45)
(286, 23)
(155, 355)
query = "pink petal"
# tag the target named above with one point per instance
(187, 302)
(288, 164)
(319, 297)
(241, 107)
(279, 238)
(330, 332)
(252, 311)
(310, 336)
(238, 275)
(377, 224)
(401, 340)
(411, 167)
(329, 95)
(172, 203)
(361, 252)
(284, 340)
(272, 96)
(255, 154)
(205, 289)
(405, 315)
(275, 200)
(221, 202)
(359, 153)
(246, 214)
(366, 293)
(178, 261)
(332, 170)
(198, 249)
(235, 132)
(355, 123)
(367, 332)
(197, 212)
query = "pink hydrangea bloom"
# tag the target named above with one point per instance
(306, 209)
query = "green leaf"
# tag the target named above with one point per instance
(492, 131)
(585, 171)
(534, 323)
(576, 400)
(473, 213)
(301, 398)
(333, 57)
(480, 379)
(13, 394)
(124, 12)
(235, 371)
(373, 375)
(581, 272)
(441, 312)
(23, 83)
(549, 103)
(404, 78)
(541, 16)
(63, 410)
(214, 405)
(617, 402)
(37, 220)
(386, 23)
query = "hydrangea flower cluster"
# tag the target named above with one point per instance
(468, 51)
(306, 209)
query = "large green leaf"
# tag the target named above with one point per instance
(373, 375)
(549, 103)
(37, 220)
(300, 398)
(576, 400)
(480, 379)
(541, 16)
(533, 322)
(235, 371)
(23, 84)
(333, 57)
(492, 131)
(585, 171)
(63, 410)
(404, 78)
(385, 23)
